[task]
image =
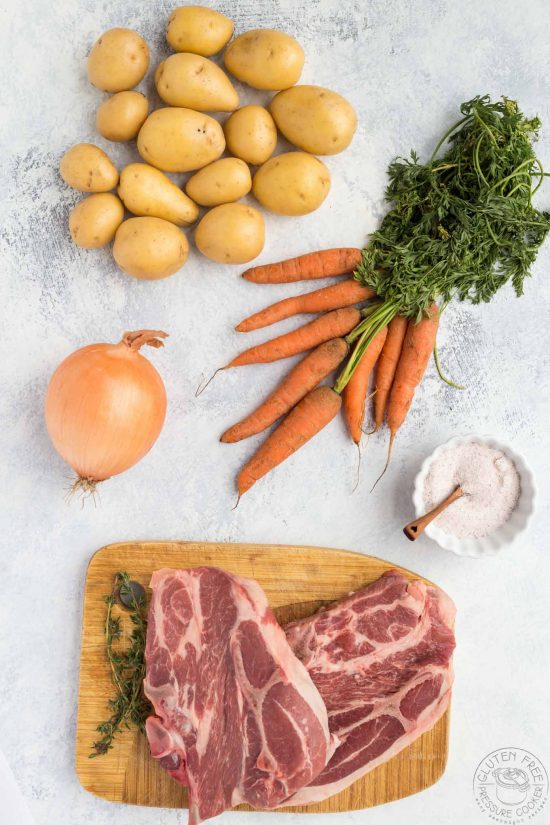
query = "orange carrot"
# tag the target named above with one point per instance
(339, 295)
(334, 324)
(302, 379)
(386, 367)
(307, 418)
(322, 264)
(418, 346)
(355, 392)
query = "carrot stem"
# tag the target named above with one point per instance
(365, 332)
(442, 376)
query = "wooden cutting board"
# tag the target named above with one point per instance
(297, 581)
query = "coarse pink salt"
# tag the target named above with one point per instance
(489, 480)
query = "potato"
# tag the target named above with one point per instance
(94, 221)
(145, 191)
(231, 234)
(265, 59)
(158, 72)
(195, 82)
(150, 248)
(87, 167)
(251, 134)
(121, 116)
(314, 119)
(198, 30)
(180, 140)
(292, 184)
(223, 181)
(118, 60)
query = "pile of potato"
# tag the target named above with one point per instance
(181, 137)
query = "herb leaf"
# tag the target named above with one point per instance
(130, 707)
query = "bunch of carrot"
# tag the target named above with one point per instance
(400, 351)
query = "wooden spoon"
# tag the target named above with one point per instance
(415, 528)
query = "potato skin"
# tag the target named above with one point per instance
(199, 30)
(195, 82)
(265, 59)
(146, 191)
(118, 60)
(293, 183)
(150, 248)
(180, 140)
(158, 72)
(232, 233)
(314, 119)
(223, 181)
(87, 168)
(94, 221)
(251, 134)
(121, 116)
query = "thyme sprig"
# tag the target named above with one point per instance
(461, 225)
(126, 656)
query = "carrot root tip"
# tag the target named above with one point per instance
(358, 478)
(390, 446)
(201, 388)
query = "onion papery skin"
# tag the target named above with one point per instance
(105, 408)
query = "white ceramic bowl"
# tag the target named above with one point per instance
(508, 532)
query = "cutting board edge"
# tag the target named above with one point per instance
(290, 809)
(295, 547)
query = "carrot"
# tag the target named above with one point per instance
(418, 345)
(307, 418)
(335, 296)
(355, 392)
(302, 379)
(386, 367)
(334, 324)
(322, 264)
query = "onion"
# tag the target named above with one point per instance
(105, 407)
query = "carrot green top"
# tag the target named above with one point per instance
(463, 224)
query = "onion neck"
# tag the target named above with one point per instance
(140, 337)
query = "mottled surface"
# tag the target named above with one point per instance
(405, 66)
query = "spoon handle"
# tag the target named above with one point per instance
(415, 528)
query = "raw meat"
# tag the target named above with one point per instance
(238, 718)
(381, 659)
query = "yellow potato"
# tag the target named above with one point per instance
(158, 72)
(94, 221)
(251, 134)
(121, 116)
(199, 30)
(223, 181)
(150, 248)
(314, 119)
(118, 60)
(87, 167)
(265, 59)
(292, 184)
(231, 234)
(180, 140)
(145, 191)
(195, 82)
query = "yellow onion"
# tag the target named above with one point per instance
(105, 407)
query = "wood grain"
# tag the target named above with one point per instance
(297, 581)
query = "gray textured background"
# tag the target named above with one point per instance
(405, 66)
